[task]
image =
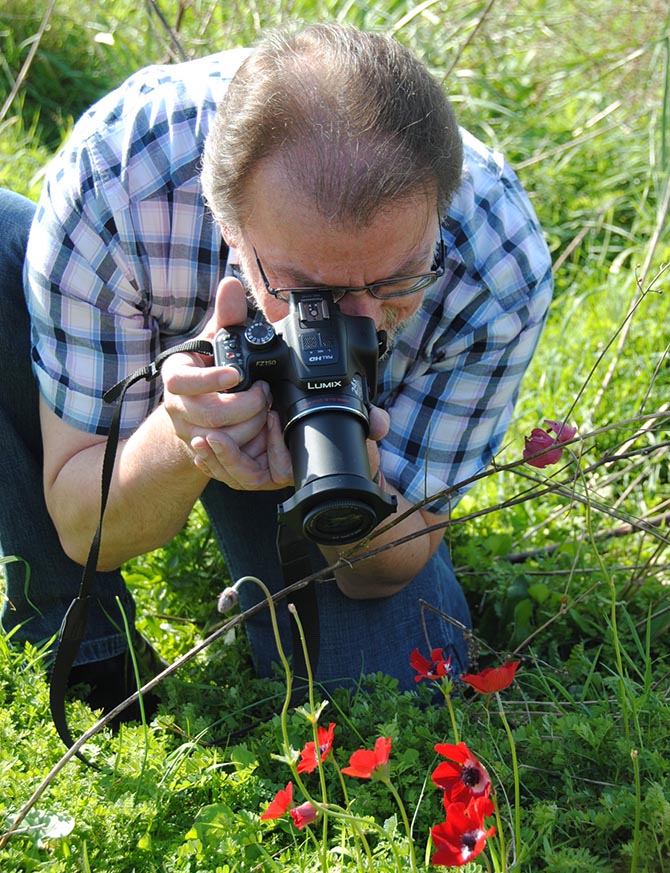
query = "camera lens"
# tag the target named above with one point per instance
(339, 521)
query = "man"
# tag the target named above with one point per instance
(333, 160)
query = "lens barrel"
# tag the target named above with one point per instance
(332, 508)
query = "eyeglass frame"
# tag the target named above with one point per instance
(425, 280)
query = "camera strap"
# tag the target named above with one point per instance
(73, 628)
(292, 550)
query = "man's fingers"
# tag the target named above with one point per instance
(231, 304)
(380, 421)
(278, 456)
(188, 378)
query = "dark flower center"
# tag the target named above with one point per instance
(469, 841)
(470, 776)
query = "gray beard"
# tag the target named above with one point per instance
(393, 329)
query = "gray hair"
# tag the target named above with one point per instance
(355, 117)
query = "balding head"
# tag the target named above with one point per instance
(355, 118)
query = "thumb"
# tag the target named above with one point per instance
(230, 306)
(380, 422)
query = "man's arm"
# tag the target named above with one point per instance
(154, 487)
(157, 475)
(389, 571)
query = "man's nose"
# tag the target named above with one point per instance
(362, 303)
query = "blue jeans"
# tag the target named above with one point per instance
(356, 636)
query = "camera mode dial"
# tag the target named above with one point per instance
(259, 334)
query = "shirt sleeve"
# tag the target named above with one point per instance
(451, 383)
(123, 259)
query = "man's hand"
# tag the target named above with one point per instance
(232, 437)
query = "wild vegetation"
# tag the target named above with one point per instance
(566, 567)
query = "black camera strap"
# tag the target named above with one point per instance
(73, 628)
(293, 554)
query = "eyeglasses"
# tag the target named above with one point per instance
(404, 286)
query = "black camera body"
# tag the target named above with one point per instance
(321, 366)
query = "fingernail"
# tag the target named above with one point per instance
(229, 378)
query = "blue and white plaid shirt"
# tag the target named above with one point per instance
(124, 261)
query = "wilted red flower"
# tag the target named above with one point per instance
(366, 764)
(463, 835)
(437, 667)
(309, 757)
(537, 441)
(303, 815)
(541, 439)
(492, 679)
(462, 776)
(281, 804)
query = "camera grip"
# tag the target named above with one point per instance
(229, 352)
(245, 349)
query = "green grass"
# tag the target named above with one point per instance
(563, 572)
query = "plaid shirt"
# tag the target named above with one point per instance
(124, 261)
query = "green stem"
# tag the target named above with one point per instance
(517, 787)
(282, 657)
(403, 814)
(502, 864)
(638, 811)
(357, 832)
(315, 727)
(626, 706)
(323, 846)
(446, 690)
(138, 683)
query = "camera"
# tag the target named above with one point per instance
(321, 365)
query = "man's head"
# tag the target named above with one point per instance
(355, 118)
(328, 162)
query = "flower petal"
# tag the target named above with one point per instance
(462, 836)
(361, 764)
(462, 777)
(304, 814)
(562, 429)
(492, 679)
(540, 441)
(420, 664)
(309, 759)
(458, 752)
(364, 763)
(282, 802)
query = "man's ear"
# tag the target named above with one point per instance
(229, 236)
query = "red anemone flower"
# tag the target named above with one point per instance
(281, 804)
(303, 815)
(462, 776)
(437, 667)
(463, 835)
(366, 764)
(492, 679)
(309, 757)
